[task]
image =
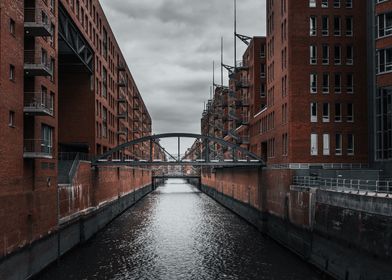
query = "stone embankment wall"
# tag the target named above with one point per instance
(348, 236)
(93, 199)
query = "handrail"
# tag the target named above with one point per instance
(34, 15)
(34, 57)
(74, 168)
(38, 100)
(37, 146)
(341, 184)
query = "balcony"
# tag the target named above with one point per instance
(245, 140)
(38, 104)
(224, 103)
(233, 115)
(35, 64)
(37, 149)
(245, 120)
(241, 103)
(243, 83)
(122, 130)
(122, 83)
(242, 65)
(122, 115)
(121, 67)
(122, 99)
(36, 23)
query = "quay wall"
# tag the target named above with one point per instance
(345, 235)
(93, 199)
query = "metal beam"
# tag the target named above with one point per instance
(204, 138)
(71, 35)
(175, 163)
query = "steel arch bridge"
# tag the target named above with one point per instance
(207, 151)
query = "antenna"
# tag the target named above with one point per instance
(235, 35)
(222, 62)
(213, 74)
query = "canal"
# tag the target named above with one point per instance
(177, 232)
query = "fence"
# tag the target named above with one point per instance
(340, 184)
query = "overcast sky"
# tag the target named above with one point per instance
(169, 46)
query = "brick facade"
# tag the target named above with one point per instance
(52, 107)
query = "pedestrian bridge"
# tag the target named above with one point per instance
(206, 151)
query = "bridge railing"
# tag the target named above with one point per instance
(346, 185)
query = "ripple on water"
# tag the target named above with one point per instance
(179, 233)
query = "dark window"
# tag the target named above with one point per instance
(12, 72)
(12, 26)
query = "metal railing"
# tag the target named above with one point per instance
(34, 58)
(34, 15)
(243, 83)
(241, 64)
(345, 185)
(37, 147)
(38, 101)
(350, 166)
(245, 139)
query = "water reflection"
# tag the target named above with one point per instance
(179, 233)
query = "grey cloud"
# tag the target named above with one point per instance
(170, 45)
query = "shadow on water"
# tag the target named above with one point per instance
(177, 232)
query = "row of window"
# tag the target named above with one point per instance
(384, 60)
(335, 4)
(340, 116)
(337, 85)
(384, 25)
(337, 26)
(267, 123)
(326, 144)
(383, 127)
(325, 54)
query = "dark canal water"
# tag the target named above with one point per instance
(179, 233)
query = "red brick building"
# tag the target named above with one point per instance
(380, 77)
(315, 108)
(65, 89)
(230, 113)
(316, 83)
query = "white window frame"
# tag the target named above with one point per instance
(325, 50)
(326, 144)
(313, 83)
(338, 118)
(313, 54)
(350, 32)
(338, 89)
(338, 148)
(337, 59)
(313, 112)
(312, 26)
(350, 150)
(350, 118)
(326, 87)
(326, 115)
(314, 144)
(325, 32)
(350, 87)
